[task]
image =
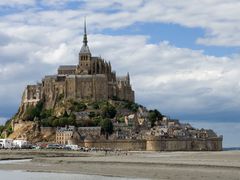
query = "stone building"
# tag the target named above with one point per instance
(64, 134)
(93, 132)
(91, 79)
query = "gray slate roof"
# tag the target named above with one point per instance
(85, 50)
(67, 67)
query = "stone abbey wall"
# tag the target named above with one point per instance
(214, 144)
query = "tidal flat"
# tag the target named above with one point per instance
(220, 165)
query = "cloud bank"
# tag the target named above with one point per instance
(40, 35)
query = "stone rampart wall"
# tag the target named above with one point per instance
(129, 145)
(213, 144)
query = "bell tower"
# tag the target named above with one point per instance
(84, 65)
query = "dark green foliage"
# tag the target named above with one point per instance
(97, 120)
(46, 113)
(72, 120)
(153, 116)
(96, 105)
(92, 114)
(32, 112)
(131, 106)
(115, 98)
(9, 130)
(107, 126)
(78, 106)
(65, 114)
(7, 127)
(1, 129)
(108, 111)
(121, 119)
(62, 121)
(47, 122)
(8, 123)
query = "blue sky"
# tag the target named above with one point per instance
(183, 56)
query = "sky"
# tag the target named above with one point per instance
(183, 56)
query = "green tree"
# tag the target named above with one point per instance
(107, 127)
(108, 111)
(153, 116)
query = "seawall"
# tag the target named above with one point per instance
(211, 144)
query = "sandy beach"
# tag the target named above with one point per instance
(223, 165)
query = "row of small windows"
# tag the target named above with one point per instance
(85, 64)
(84, 58)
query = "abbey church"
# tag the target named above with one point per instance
(91, 79)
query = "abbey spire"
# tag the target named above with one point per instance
(85, 49)
(85, 41)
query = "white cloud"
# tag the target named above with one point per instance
(164, 76)
(17, 2)
(219, 18)
(52, 55)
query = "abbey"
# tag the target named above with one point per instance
(91, 79)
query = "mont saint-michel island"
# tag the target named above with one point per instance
(90, 106)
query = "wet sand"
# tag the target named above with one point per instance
(223, 165)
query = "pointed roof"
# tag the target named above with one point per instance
(85, 41)
(85, 49)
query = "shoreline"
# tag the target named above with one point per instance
(154, 165)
